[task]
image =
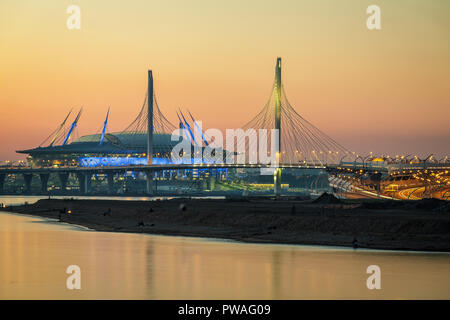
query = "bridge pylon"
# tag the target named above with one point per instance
(150, 131)
(277, 173)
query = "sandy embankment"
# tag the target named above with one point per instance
(381, 225)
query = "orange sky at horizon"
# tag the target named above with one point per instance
(385, 91)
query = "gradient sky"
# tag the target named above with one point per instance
(384, 91)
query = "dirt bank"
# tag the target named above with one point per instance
(375, 224)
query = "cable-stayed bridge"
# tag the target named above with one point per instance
(291, 142)
(300, 142)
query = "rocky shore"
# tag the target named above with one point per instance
(378, 224)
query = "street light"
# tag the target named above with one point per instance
(365, 158)
(406, 158)
(425, 160)
(358, 156)
(340, 161)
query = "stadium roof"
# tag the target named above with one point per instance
(117, 143)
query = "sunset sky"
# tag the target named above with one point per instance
(385, 91)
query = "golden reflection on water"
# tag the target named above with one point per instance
(34, 255)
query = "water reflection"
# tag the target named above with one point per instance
(34, 258)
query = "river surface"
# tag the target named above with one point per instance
(35, 253)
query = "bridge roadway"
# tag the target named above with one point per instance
(145, 168)
(84, 173)
(160, 167)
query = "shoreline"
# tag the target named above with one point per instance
(228, 240)
(375, 224)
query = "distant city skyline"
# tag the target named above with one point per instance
(382, 91)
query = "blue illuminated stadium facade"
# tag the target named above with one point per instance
(116, 149)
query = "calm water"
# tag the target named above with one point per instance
(35, 252)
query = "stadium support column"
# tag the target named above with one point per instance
(88, 182)
(110, 178)
(150, 132)
(84, 181)
(28, 177)
(277, 173)
(2, 181)
(63, 177)
(44, 182)
(149, 176)
(212, 182)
